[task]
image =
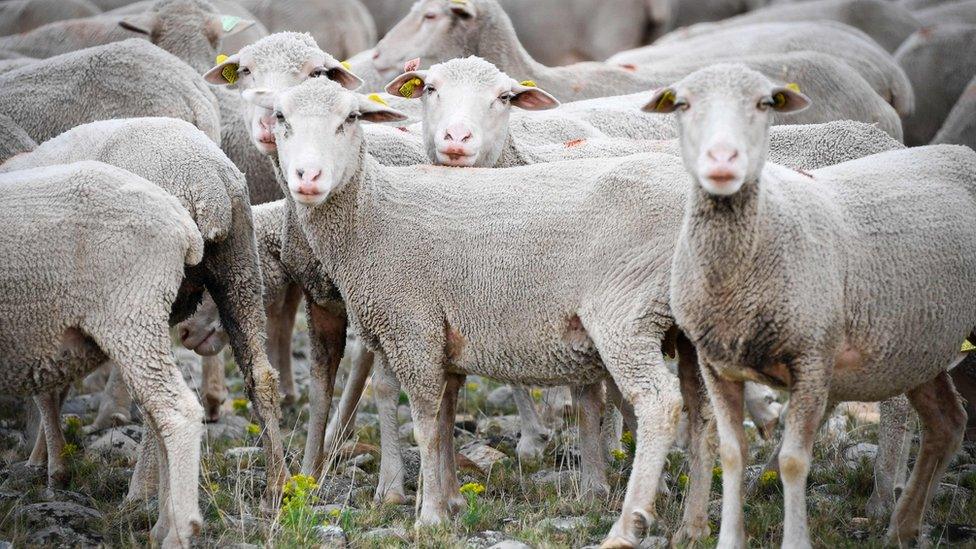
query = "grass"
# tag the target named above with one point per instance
(506, 500)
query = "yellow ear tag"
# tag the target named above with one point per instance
(793, 86)
(375, 98)
(967, 346)
(528, 84)
(461, 2)
(407, 89)
(346, 65)
(779, 100)
(666, 101)
(230, 71)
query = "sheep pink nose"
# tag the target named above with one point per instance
(184, 333)
(723, 153)
(308, 176)
(457, 133)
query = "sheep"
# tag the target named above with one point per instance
(112, 81)
(18, 16)
(938, 76)
(472, 98)
(60, 37)
(959, 127)
(438, 30)
(186, 163)
(872, 62)
(13, 139)
(801, 267)
(886, 23)
(962, 11)
(342, 27)
(88, 224)
(689, 12)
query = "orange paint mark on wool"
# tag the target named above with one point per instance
(574, 143)
(629, 67)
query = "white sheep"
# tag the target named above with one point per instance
(187, 164)
(93, 233)
(960, 126)
(13, 139)
(776, 272)
(858, 50)
(342, 27)
(128, 78)
(18, 16)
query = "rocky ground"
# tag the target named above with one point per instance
(511, 504)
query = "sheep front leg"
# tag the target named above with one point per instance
(214, 386)
(727, 401)
(943, 422)
(327, 327)
(532, 436)
(281, 324)
(891, 465)
(386, 390)
(49, 405)
(808, 402)
(701, 452)
(145, 475)
(589, 400)
(340, 426)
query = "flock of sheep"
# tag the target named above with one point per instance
(475, 195)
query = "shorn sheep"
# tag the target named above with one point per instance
(806, 281)
(96, 269)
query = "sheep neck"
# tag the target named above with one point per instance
(721, 233)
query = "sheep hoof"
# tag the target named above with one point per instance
(392, 498)
(288, 400)
(618, 542)
(690, 534)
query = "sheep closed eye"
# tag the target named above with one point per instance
(430, 16)
(279, 117)
(765, 103)
(243, 71)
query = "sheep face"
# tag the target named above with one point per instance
(723, 114)
(466, 109)
(203, 333)
(319, 140)
(434, 31)
(270, 65)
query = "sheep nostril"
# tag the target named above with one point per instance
(300, 173)
(184, 333)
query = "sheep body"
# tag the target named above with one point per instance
(960, 126)
(18, 16)
(343, 28)
(13, 139)
(112, 81)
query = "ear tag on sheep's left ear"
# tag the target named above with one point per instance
(230, 71)
(528, 84)
(411, 65)
(407, 89)
(967, 346)
(460, 2)
(346, 65)
(666, 102)
(375, 98)
(228, 22)
(793, 86)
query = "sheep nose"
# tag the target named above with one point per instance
(723, 153)
(457, 133)
(184, 333)
(308, 176)
(376, 53)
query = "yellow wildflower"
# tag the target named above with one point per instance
(240, 405)
(253, 429)
(473, 489)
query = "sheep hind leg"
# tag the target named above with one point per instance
(113, 410)
(386, 389)
(891, 465)
(174, 416)
(532, 435)
(589, 400)
(943, 422)
(637, 366)
(145, 475)
(49, 405)
(445, 420)
(281, 324)
(701, 446)
(214, 386)
(342, 422)
(327, 329)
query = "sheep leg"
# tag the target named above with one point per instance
(214, 386)
(701, 451)
(617, 399)
(174, 415)
(727, 400)
(808, 402)
(49, 405)
(446, 417)
(943, 424)
(386, 390)
(763, 408)
(145, 475)
(891, 465)
(38, 455)
(281, 324)
(327, 326)
(589, 400)
(611, 429)
(532, 436)
(639, 371)
(114, 407)
(342, 423)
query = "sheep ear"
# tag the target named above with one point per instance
(462, 9)
(376, 111)
(789, 99)
(142, 23)
(340, 74)
(226, 25)
(409, 85)
(662, 101)
(224, 73)
(531, 98)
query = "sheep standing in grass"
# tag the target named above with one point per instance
(811, 281)
(187, 164)
(128, 78)
(91, 274)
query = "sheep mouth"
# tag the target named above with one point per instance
(455, 158)
(208, 345)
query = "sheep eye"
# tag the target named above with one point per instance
(353, 116)
(243, 71)
(279, 117)
(318, 72)
(430, 90)
(765, 103)
(681, 104)
(430, 16)
(506, 97)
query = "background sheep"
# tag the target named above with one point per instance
(342, 27)
(23, 15)
(813, 345)
(13, 139)
(959, 127)
(111, 223)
